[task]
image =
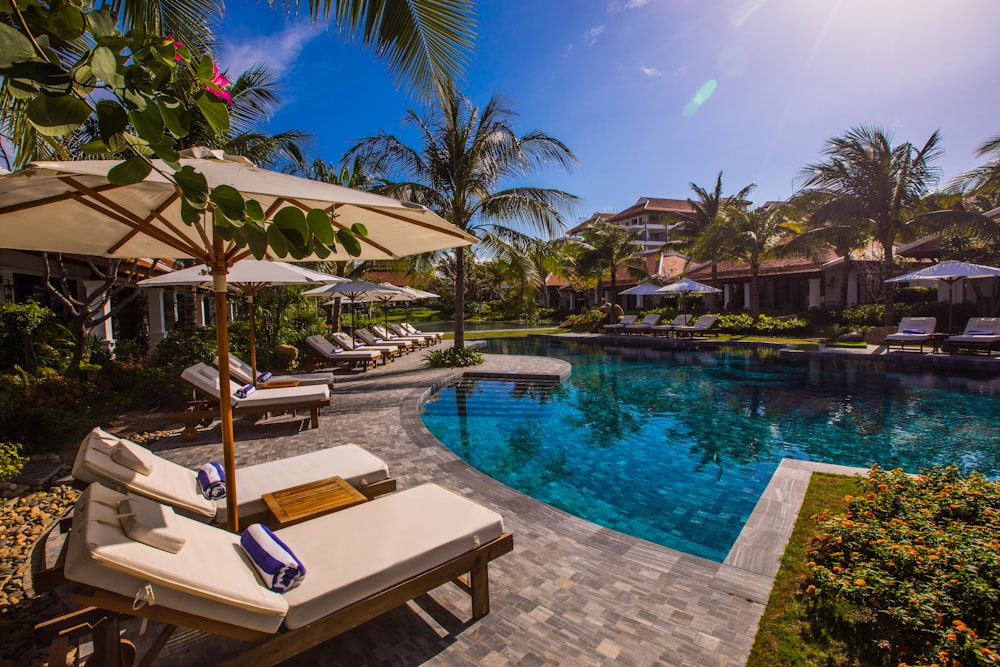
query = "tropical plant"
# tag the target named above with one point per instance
(11, 460)
(985, 179)
(867, 182)
(705, 210)
(606, 248)
(32, 341)
(455, 358)
(422, 42)
(750, 236)
(466, 155)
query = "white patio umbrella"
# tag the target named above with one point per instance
(72, 207)
(356, 291)
(686, 286)
(949, 272)
(247, 276)
(642, 289)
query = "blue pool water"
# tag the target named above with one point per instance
(676, 447)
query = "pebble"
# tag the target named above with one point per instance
(23, 519)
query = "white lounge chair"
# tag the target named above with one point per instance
(405, 331)
(360, 563)
(394, 335)
(371, 340)
(620, 325)
(981, 334)
(167, 482)
(703, 326)
(242, 372)
(643, 325)
(912, 331)
(666, 329)
(334, 354)
(205, 381)
(437, 335)
(348, 344)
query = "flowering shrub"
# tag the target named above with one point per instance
(913, 568)
(588, 320)
(743, 323)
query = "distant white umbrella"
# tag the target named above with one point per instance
(686, 286)
(247, 276)
(642, 289)
(355, 291)
(949, 272)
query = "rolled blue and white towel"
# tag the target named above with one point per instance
(212, 480)
(280, 568)
(245, 391)
(264, 377)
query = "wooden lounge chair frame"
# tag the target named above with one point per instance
(203, 411)
(102, 611)
(363, 364)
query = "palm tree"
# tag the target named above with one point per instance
(466, 154)
(422, 42)
(607, 247)
(985, 179)
(750, 237)
(705, 210)
(817, 235)
(869, 183)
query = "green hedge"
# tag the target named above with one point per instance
(744, 324)
(910, 573)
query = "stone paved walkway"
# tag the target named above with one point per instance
(571, 593)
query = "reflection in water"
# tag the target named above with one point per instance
(676, 447)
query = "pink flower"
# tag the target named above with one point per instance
(177, 45)
(217, 85)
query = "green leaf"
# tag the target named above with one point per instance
(104, 64)
(220, 221)
(95, 147)
(103, 22)
(205, 71)
(68, 22)
(320, 225)
(254, 211)
(255, 238)
(112, 120)
(292, 223)
(148, 123)
(349, 242)
(229, 200)
(216, 111)
(276, 241)
(56, 116)
(38, 75)
(14, 46)
(193, 186)
(189, 213)
(175, 115)
(319, 249)
(359, 230)
(22, 90)
(165, 150)
(130, 171)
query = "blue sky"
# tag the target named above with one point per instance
(654, 94)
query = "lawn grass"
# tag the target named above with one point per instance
(785, 637)
(504, 333)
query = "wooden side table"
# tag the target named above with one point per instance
(306, 501)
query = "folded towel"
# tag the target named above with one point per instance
(245, 391)
(278, 566)
(212, 480)
(336, 350)
(378, 340)
(914, 331)
(264, 377)
(977, 332)
(358, 346)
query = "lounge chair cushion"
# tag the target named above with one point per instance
(357, 466)
(360, 551)
(132, 456)
(177, 486)
(168, 482)
(242, 372)
(280, 569)
(976, 332)
(209, 577)
(206, 380)
(150, 522)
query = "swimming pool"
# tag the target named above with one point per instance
(676, 447)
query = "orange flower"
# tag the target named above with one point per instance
(810, 588)
(860, 582)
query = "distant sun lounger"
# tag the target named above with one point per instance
(917, 331)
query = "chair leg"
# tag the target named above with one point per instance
(479, 581)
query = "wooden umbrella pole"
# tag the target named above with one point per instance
(253, 342)
(219, 272)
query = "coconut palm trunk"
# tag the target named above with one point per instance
(459, 317)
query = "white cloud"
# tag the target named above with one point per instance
(650, 71)
(277, 52)
(590, 37)
(616, 7)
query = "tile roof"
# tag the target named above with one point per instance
(653, 204)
